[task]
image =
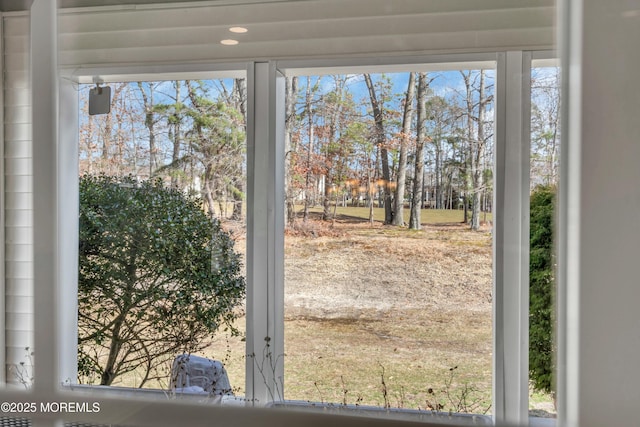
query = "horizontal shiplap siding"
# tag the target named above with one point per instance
(18, 196)
(302, 29)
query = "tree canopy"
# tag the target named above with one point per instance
(157, 277)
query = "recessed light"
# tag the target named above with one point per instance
(238, 30)
(229, 42)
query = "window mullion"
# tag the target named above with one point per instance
(511, 238)
(265, 234)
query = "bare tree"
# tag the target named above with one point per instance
(477, 141)
(416, 202)
(545, 126)
(381, 142)
(240, 182)
(150, 121)
(310, 136)
(407, 118)
(291, 95)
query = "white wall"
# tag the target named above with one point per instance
(600, 234)
(18, 171)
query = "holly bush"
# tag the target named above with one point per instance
(157, 277)
(541, 289)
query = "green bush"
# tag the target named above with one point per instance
(157, 277)
(542, 289)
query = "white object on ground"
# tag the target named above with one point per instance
(194, 374)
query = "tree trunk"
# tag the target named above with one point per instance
(106, 141)
(381, 142)
(438, 190)
(291, 92)
(476, 140)
(239, 180)
(477, 158)
(416, 203)
(109, 373)
(407, 118)
(331, 162)
(209, 191)
(175, 155)
(149, 122)
(307, 187)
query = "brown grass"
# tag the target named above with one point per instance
(411, 304)
(363, 300)
(360, 300)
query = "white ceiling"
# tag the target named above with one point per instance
(96, 33)
(91, 3)
(17, 5)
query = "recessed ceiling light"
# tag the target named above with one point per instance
(238, 30)
(229, 42)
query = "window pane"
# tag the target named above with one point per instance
(545, 148)
(388, 248)
(162, 234)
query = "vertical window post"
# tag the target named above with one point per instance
(3, 287)
(44, 85)
(265, 234)
(68, 226)
(511, 239)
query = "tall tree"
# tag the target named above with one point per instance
(476, 97)
(440, 118)
(290, 147)
(216, 143)
(337, 110)
(173, 112)
(416, 202)
(175, 123)
(150, 121)
(407, 119)
(240, 182)
(381, 142)
(545, 126)
(332, 111)
(310, 147)
(236, 97)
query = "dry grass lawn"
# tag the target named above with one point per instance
(365, 301)
(381, 315)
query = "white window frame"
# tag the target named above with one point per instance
(511, 202)
(511, 238)
(55, 276)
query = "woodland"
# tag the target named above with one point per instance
(395, 141)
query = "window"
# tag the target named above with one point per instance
(182, 135)
(384, 312)
(545, 155)
(266, 88)
(596, 179)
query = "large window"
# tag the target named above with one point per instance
(597, 243)
(388, 248)
(415, 299)
(162, 230)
